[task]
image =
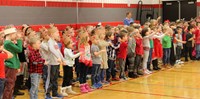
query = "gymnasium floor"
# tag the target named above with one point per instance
(175, 83)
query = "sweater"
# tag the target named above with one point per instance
(70, 57)
(166, 41)
(123, 50)
(14, 49)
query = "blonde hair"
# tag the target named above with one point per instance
(33, 40)
(52, 30)
(83, 38)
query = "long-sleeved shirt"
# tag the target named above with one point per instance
(54, 52)
(166, 42)
(36, 62)
(197, 36)
(70, 57)
(44, 51)
(139, 47)
(111, 50)
(128, 21)
(188, 36)
(123, 50)
(131, 45)
(146, 40)
(14, 49)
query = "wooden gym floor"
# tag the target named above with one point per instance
(175, 83)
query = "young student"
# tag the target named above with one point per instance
(85, 60)
(96, 62)
(44, 50)
(179, 44)
(122, 53)
(102, 46)
(111, 51)
(132, 73)
(189, 40)
(12, 64)
(36, 63)
(166, 43)
(197, 41)
(68, 68)
(4, 55)
(56, 58)
(146, 46)
(138, 51)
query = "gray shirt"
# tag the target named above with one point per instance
(179, 37)
(95, 59)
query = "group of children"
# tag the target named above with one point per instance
(99, 51)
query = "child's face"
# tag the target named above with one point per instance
(179, 31)
(1, 47)
(70, 46)
(125, 38)
(112, 37)
(56, 36)
(148, 32)
(37, 45)
(102, 36)
(13, 36)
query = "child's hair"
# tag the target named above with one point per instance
(1, 42)
(122, 33)
(144, 31)
(130, 30)
(33, 40)
(190, 27)
(52, 30)
(83, 37)
(108, 34)
(67, 41)
(178, 27)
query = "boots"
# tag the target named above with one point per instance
(83, 89)
(87, 87)
(63, 92)
(70, 91)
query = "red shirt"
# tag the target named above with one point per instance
(197, 36)
(3, 56)
(36, 62)
(123, 50)
(139, 46)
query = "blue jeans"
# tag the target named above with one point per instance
(166, 56)
(111, 70)
(2, 82)
(103, 71)
(95, 78)
(35, 80)
(197, 51)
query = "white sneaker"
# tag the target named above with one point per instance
(70, 91)
(146, 72)
(62, 91)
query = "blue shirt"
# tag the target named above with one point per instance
(128, 21)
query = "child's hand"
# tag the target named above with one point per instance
(184, 42)
(64, 64)
(59, 60)
(81, 53)
(18, 70)
(46, 63)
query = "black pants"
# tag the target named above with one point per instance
(18, 83)
(178, 52)
(77, 67)
(68, 75)
(155, 63)
(138, 60)
(83, 73)
(188, 51)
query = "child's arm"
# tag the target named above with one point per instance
(54, 51)
(70, 54)
(17, 48)
(99, 52)
(150, 35)
(44, 47)
(179, 40)
(10, 55)
(159, 37)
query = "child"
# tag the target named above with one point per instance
(96, 63)
(138, 51)
(197, 41)
(36, 63)
(166, 43)
(4, 54)
(85, 60)
(189, 40)
(131, 53)
(102, 46)
(12, 64)
(56, 58)
(111, 51)
(122, 53)
(68, 69)
(179, 44)
(146, 45)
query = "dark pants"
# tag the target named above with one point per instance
(131, 59)
(102, 74)
(149, 59)
(166, 56)
(83, 73)
(77, 67)
(188, 51)
(178, 52)
(10, 83)
(18, 83)
(2, 82)
(122, 67)
(44, 75)
(68, 75)
(138, 60)
(95, 78)
(53, 85)
(111, 70)
(155, 63)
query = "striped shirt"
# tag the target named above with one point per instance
(111, 50)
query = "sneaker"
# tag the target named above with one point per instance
(57, 96)
(105, 82)
(48, 97)
(115, 79)
(94, 86)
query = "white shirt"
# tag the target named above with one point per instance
(70, 57)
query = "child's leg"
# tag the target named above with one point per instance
(186, 53)
(164, 56)
(54, 78)
(145, 59)
(77, 69)
(2, 82)
(113, 69)
(64, 83)
(108, 71)
(122, 66)
(198, 51)
(35, 79)
(190, 53)
(44, 75)
(102, 75)
(149, 59)
(94, 74)
(168, 55)
(83, 73)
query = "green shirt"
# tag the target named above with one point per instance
(166, 41)
(151, 43)
(14, 49)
